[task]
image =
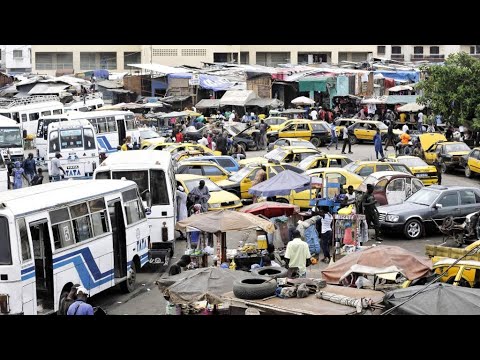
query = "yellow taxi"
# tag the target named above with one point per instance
(343, 122)
(449, 153)
(291, 142)
(427, 174)
(209, 169)
(148, 137)
(328, 175)
(275, 122)
(365, 130)
(158, 146)
(239, 182)
(365, 168)
(288, 154)
(472, 165)
(323, 161)
(317, 132)
(219, 199)
(177, 147)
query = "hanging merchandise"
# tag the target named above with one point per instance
(348, 234)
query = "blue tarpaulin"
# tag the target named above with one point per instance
(209, 82)
(411, 76)
(283, 184)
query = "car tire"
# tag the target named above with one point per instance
(468, 172)
(413, 229)
(444, 168)
(129, 285)
(353, 139)
(243, 145)
(252, 288)
(273, 272)
(315, 141)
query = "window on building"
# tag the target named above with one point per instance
(98, 60)
(194, 52)
(17, 53)
(381, 50)
(434, 50)
(164, 52)
(244, 57)
(131, 58)
(396, 50)
(418, 50)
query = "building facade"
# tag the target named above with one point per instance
(413, 53)
(15, 59)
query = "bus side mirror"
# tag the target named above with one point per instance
(24, 132)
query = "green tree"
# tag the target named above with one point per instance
(453, 89)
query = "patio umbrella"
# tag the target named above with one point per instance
(200, 284)
(284, 183)
(225, 220)
(303, 100)
(437, 299)
(383, 261)
(411, 107)
(270, 209)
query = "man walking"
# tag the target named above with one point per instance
(56, 167)
(377, 141)
(263, 127)
(297, 253)
(29, 167)
(390, 137)
(324, 227)
(370, 210)
(346, 140)
(333, 132)
(200, 195)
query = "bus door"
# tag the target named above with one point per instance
(42, 253)
(122, 131)
(119, 238)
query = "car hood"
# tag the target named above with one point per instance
(226, 183)
(221, 196)
(429, 139)
(254, 160)
(423, 169)
(246, 132)
(402, 209)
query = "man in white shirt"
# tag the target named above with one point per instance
(420, 122)
(346, 140)
(314, 114)
(326, 233)
(297, 253)
(231, 117)
(203, 141)
(405, 128)
(461, 130)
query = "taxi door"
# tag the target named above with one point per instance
(246, 184)
(287, 132)
(474, 162)
(431, 154)
(303, 131)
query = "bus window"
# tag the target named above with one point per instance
(24, 117)
(57, 112)
(133, 206)
(140, 177)
(46, 113)
(2, 162)
(7, 115)
(158, 186)
(102, 175)
(5, 252)
(82, 227)
(89, 138)
(54, 145)
(34, 116)
(112, 124)
(130, 124)
(99, 216)
(102, 125)
(61, 228)
(16, 116)
(22, 229)
(71, 138)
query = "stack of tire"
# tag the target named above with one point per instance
(260, 285)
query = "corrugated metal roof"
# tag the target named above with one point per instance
(160, 68)
(208, 103)
(110, 84)
(47, 88)
(273, 103)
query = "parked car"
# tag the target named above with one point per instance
(227, 162)
(365, 130)
(291, 142)
(424, 172)
(449, 153)
(243, 137)
(323, 161)
(391, 187)
(420, 212)
(343, 122)
(206, 168)
(317, 132)
(471, 162)
(149, 137)
(288, 154)
(365, 168)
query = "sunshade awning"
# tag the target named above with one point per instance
(261, 102)
(237, 97)
(208, 103)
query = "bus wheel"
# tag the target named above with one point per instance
(129, 285)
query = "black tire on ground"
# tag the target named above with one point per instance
(254, 288)
(468, 172)
(315, 141)
(270, 271)
(129, 285)
(413, 229)
(353, 139)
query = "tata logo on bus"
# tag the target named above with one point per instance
(73, 170)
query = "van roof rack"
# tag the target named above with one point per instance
(28, 100)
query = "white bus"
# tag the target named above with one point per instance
(75, 141)
(63, 233)
(153, 171)
(91, 102)
(28, 110)
(111, 128)
(11, 140)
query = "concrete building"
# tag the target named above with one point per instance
(15, 59)
(431, 53)
(57, 59)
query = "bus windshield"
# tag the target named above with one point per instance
(140, 177)
(10, 137)
(5, 252)
(71, 138)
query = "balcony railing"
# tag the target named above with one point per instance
(398, 57)
(430, 58)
